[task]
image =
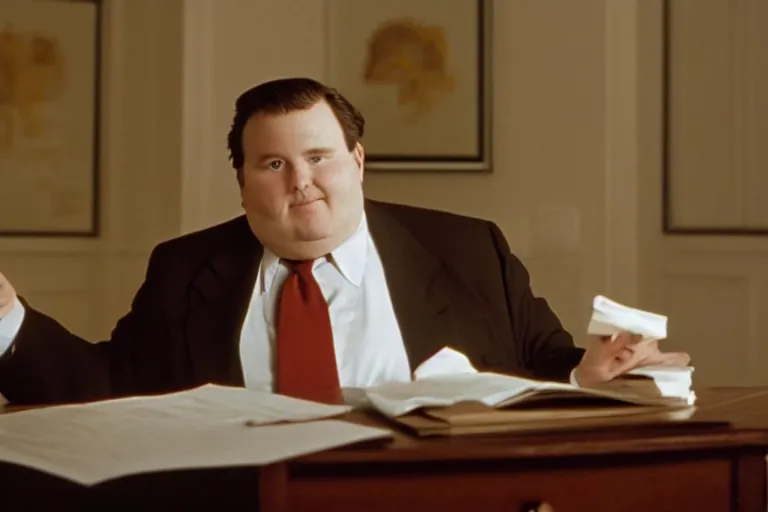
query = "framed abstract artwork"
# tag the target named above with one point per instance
(49, 117)
(419, 72)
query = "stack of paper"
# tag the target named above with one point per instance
(610, 317)
(494, 390)
(211, 426)
(664, 381)
(449, 396)
(490, 402)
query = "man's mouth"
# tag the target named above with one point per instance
(304, 203)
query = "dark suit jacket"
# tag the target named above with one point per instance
(452, 279)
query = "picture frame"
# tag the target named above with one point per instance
(673, 189)
(50, 66)
(420, 74)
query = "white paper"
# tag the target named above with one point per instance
(446, 362)
(399, 398)
(492, 389)
(448, 378)
(610, 317)
(674, 381)
(211, 426)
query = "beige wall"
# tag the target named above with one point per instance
(87, 283)
(563, 136)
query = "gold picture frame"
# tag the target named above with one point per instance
(49, 117)
(419, 72)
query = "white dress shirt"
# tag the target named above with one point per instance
(366, 336)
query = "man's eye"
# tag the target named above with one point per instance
(316, 159)
(275, 165)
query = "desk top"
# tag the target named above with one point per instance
(745, 408)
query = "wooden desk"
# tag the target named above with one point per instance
(622, 470)
(625, 469)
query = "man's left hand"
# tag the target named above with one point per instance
(607, 358)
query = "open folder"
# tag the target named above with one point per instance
(453, 398)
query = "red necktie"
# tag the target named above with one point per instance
(306, 360)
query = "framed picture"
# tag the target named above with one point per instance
(49, 117)
(713, 129)
(418, 70)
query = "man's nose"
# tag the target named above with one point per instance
(300, 176)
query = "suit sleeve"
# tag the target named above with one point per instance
(49, 364)
(544, 347)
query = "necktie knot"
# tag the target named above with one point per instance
(301, 267)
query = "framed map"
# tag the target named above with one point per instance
(49, 110)
(418, 70)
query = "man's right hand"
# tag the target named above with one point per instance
(607, 358)
(7, 296)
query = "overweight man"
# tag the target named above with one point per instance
(314, 290)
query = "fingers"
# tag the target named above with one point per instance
(615, 345)
(671, 359)
(625, 362)
(667, 359)
(625, 339)
(611, 356)
(624, 356)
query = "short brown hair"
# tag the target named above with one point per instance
(288, 95)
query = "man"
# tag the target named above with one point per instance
(314, 290)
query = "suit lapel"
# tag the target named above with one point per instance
(434, 309)
(218, 302)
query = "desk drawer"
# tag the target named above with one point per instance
(693, 485)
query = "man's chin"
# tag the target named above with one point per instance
(312, 236)
(310, 246)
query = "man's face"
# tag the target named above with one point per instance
(301, 187)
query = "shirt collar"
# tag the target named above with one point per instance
(350, 259)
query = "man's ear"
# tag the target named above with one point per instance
(359, 155)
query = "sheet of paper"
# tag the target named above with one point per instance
(670, 380)
(491, 389)
(446, 362)
(610, 317)
(211, 426)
